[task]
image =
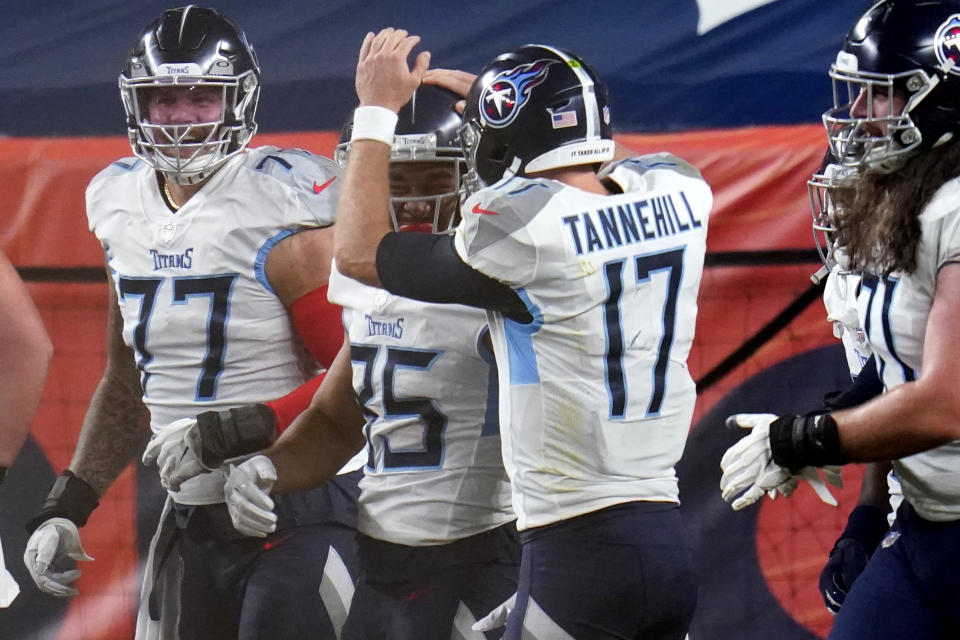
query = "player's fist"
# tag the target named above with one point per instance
(247, 493)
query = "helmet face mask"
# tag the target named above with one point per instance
(424, 194)
(824, 208)
(534, 109)
(185, 53)
(896, 88)
(492, 161)
(426, 162)
(870, 123)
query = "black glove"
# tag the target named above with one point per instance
(865, 528)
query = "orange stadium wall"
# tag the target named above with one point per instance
(758, 568)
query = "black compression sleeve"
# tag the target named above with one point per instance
(426, 267)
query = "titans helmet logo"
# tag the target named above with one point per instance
(947, 43)
(502, 99)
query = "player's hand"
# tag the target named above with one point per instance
(247, 493)
(818, 478)
(498, 617)
(459, 82)
(9, 589)
(47, 557)
(384, 78)
(847, 561)
(174, 451)
(865, 527)
(748, 467)
(749, 470)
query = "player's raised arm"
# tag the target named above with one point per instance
(384, 82)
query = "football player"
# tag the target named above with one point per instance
(438, 545)
(879, 492)
(896, 119)
(209, 276)
(591, 280)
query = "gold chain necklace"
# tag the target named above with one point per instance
(170, 200)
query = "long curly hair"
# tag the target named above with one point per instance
(877, 218)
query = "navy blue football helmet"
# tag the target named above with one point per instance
(190, 47)
(426, 161)
(532, 109)
(896, 84)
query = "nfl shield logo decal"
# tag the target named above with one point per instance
(167, 231)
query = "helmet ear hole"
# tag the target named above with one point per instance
(498, 154)
(561, 105)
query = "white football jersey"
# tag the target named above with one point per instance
(427, 383)
(893, 312)
(596, 395)
(207, 329)
(840, 301)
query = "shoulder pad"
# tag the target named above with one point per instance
(505, 208)
(648, 171)
(314, 179)
(662, 161)
(123, 166)
(281, 163)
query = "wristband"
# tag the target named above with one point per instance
(373, 123)
(805, 441)
(70, 498)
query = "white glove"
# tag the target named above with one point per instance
(749, 469)
(48, 549)
(818, 478)
(498, 617)
(9, 589)
(173, 451)
(247, 492)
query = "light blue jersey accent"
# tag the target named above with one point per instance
(259, 263)
(523, 359)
